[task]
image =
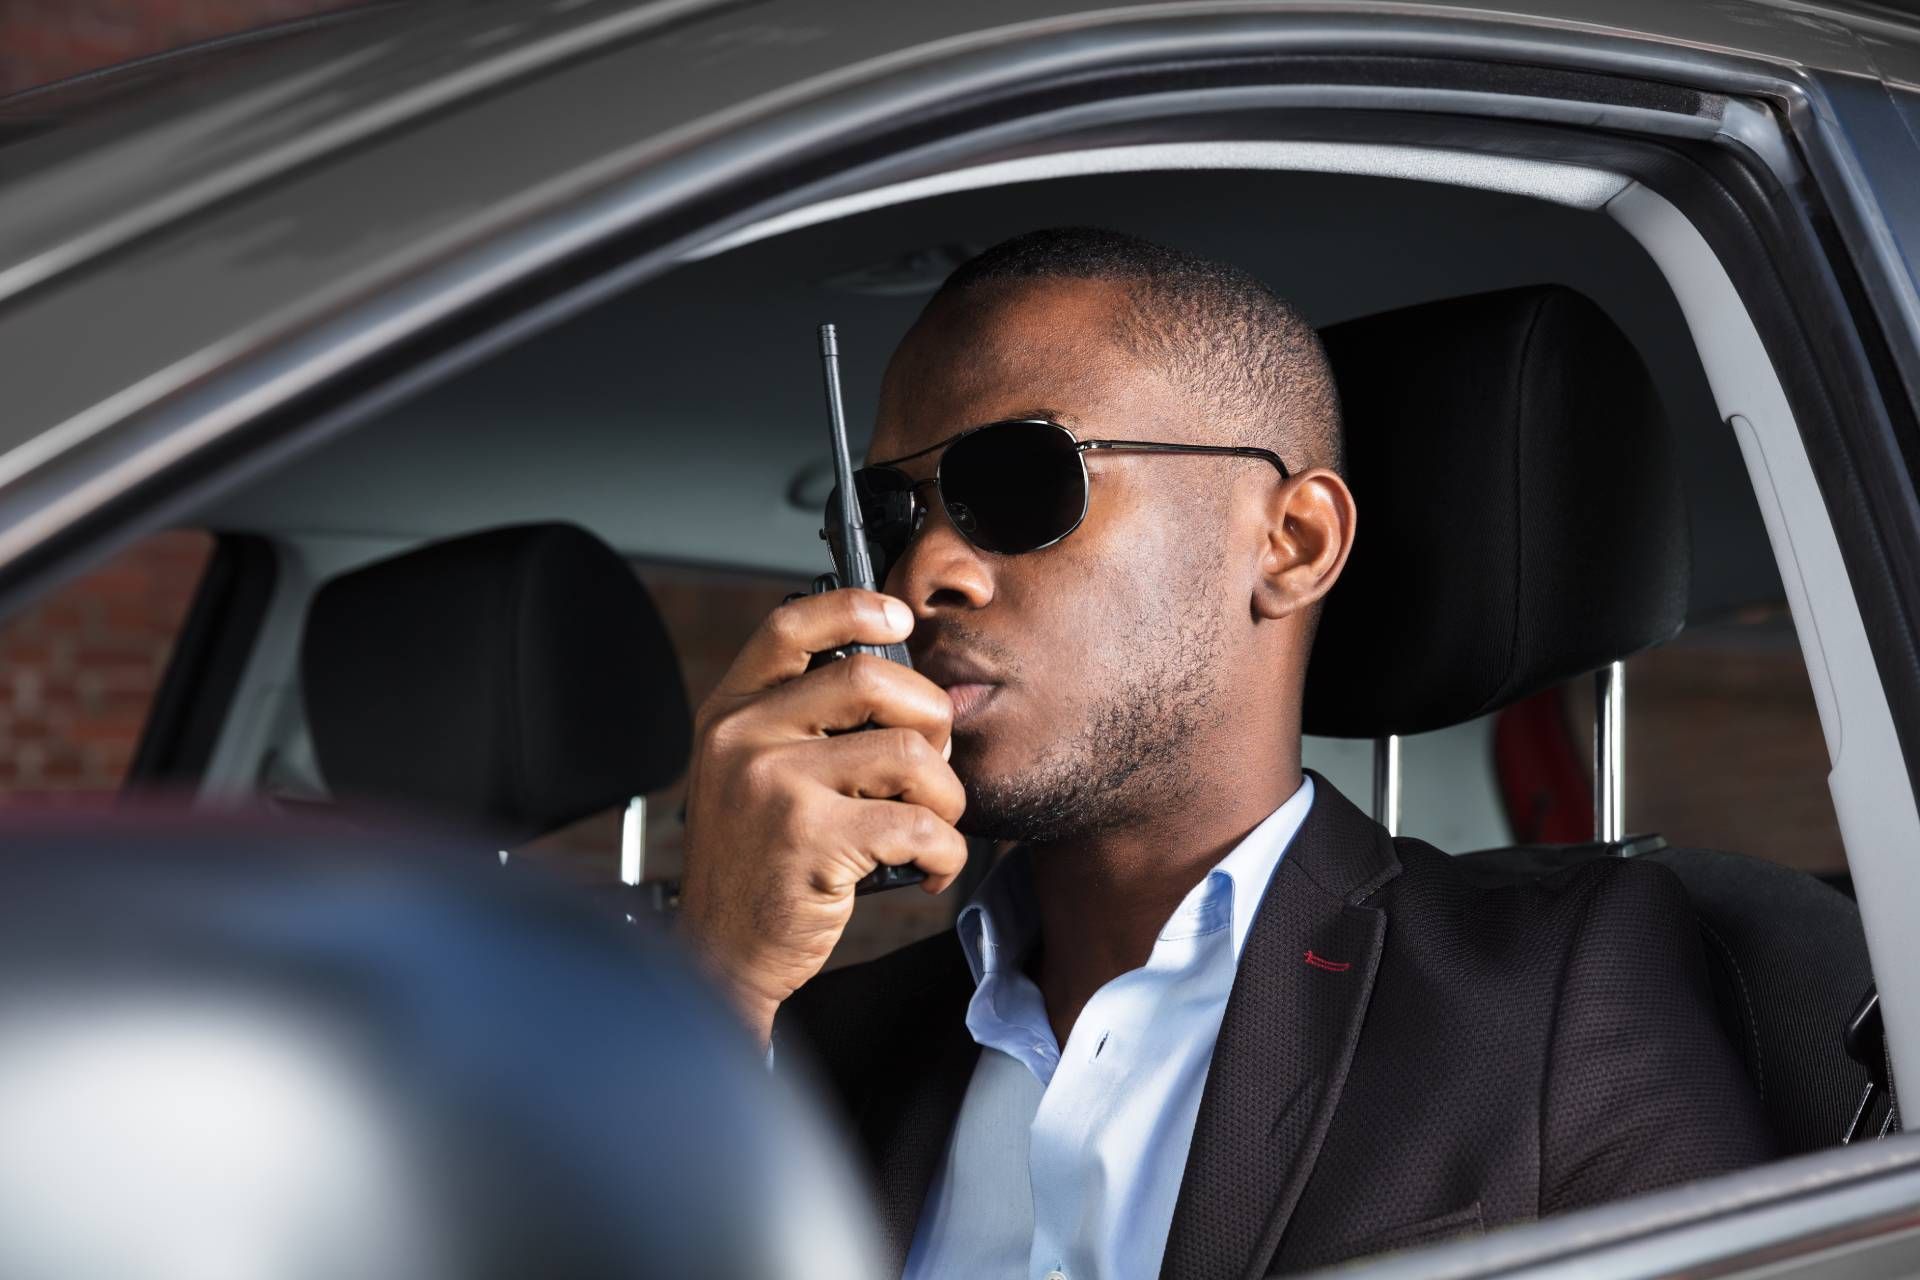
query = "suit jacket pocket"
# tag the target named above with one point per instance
(1409, 1235)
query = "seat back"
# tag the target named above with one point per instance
(1522, 523)
(513, 680)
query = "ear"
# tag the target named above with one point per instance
(1310, 522)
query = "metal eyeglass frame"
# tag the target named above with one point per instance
(1080, 448)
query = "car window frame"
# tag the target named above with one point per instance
(290, 394)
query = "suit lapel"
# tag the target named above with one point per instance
(1286, 1040)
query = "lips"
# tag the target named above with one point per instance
(969, 698)
(970, 685)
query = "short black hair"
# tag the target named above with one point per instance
(1207, 323)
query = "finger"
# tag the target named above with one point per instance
(884, 764)
(780, 648)
(875, 832)
(852, 692)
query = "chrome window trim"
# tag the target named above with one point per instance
(1789, 1218)
(1574, 186)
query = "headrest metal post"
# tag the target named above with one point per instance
(633, 841)
(1610, 752)
(1386, 782)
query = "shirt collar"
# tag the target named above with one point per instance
(998, 925)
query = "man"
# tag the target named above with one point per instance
(1208, 1020)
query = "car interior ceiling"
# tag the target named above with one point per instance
(680, 423)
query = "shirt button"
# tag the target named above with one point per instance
(1056, 1275)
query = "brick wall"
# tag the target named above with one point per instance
(78, 671)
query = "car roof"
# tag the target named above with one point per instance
(145, 136)
(228, 225)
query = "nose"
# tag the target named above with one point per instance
(940, 569)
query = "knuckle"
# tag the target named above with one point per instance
(924, 828)
(763, 776)
(719, 727)
(910, 749)
(864, 675)
(799, 818)
(784, 623)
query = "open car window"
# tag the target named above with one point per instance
(79, 671)
(658, 391)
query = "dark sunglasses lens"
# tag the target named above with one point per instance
(886, 509)
(1014, 486)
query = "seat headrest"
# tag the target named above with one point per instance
(1521, 517)
(517, 680)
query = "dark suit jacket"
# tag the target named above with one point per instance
(1466, 1055)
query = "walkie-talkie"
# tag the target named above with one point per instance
(858, 568)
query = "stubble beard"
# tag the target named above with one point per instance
(1131, 757)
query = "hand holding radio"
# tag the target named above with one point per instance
(783, 820)
(819, 771)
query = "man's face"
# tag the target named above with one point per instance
(1089, 677)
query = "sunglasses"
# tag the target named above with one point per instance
(1008, 487)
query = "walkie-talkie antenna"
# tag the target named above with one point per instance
(853, 535)
(857, 564)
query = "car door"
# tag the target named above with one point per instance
(264, 254)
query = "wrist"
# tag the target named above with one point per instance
(752, 1006)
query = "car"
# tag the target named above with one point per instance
(425, 320)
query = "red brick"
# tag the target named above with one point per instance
(65, 613)
(118, 677)
(24, 652)
(106, 729)
(63, 772)
(106, 650)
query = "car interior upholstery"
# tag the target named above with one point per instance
(512, 680)
(1525, 525)
(1522, 520)
(1522, 392)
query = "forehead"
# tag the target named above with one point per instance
(1045, 347)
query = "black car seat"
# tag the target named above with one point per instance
(513, 681)
(1521, 524)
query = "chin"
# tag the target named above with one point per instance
(979, 761)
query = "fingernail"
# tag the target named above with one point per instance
(899, 615)
(946, 752)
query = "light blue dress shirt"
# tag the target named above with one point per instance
(1066, 1163)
